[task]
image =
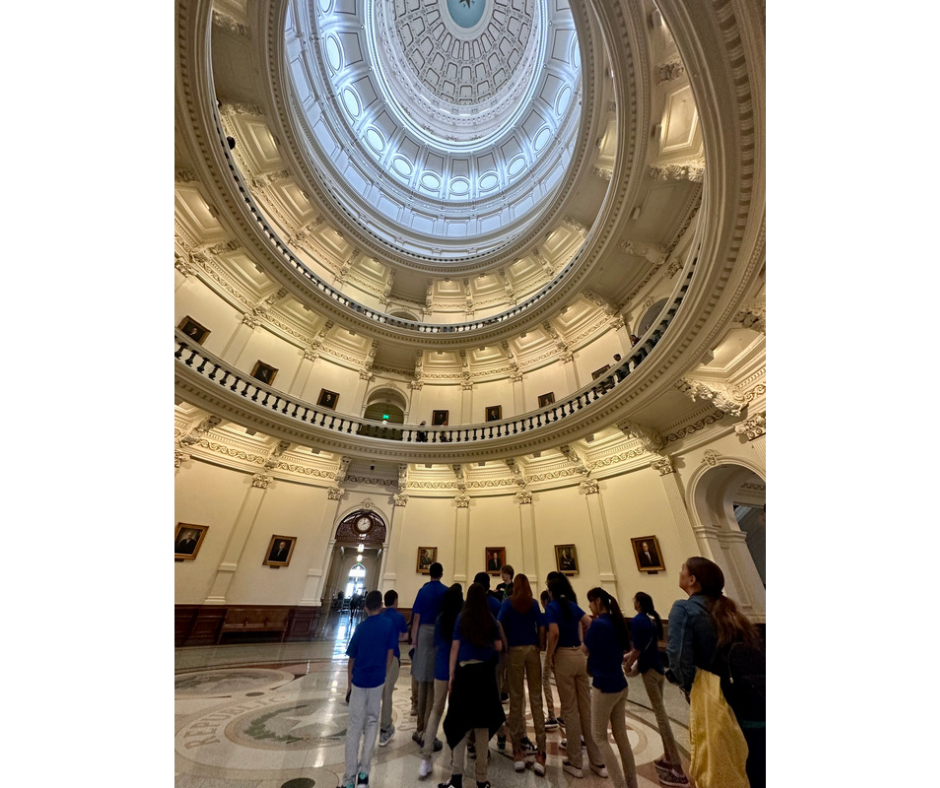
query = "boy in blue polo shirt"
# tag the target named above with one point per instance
(370, 651)
(401, 630)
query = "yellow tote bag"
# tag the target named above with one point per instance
(719, 750)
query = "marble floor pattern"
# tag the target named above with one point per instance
(274, 716)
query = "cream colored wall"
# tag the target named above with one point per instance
(264, 346)
(487, 394)
(540, 381)
(447, 397)
(333, 377)
(637, 502)
(196, 300)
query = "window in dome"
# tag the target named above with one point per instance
(374, 140)
(402, 166)
(542, 138)
(516, 166)
(351, 102)
(489, 181)
(334, 54)
(459, 187)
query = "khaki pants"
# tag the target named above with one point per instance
(524, 667)
(653, 681)
(575, 693)
(391, 676)
(547, 688)
(459, 753)
(434, 718)
(612, 707)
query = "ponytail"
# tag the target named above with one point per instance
(616, 616)
(645, 601)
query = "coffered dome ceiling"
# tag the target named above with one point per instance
(462, 193)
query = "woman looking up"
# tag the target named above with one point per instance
(605, 644)
(705, 631)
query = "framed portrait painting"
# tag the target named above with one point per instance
(566, 559)
(195, 331)
(439, 418)
(426, 557)
(649, 558)
(327, 399)
(280, 550)
(264, 372)
(188, 540)
(495, 559)
(598, 372)
(546, 399)
(494, 412)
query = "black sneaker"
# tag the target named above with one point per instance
(501, 743)
(471, 752)
(551, 723)
(363, 781)
(438, 745)
(455, 781)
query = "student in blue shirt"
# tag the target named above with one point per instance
(523, 627)
(605, 643)
(474, 695)
(646, 629)
(451, 603)
(566, 622)
(370, 651)
(401, 631)
(424, 613)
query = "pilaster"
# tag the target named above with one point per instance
(394, 540)
(461, 538)
(235, 346)
(527, 527)
(316, 576)
(243, 525)
(676, 499)
(601, 535)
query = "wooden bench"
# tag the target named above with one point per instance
(252, 620)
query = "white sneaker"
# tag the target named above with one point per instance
(424, 770)
(600, 769)
(574, 771)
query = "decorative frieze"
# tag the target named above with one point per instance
(272, 462)
(651, 439)
(400, 500)
(711, 418)
(670, 69)
(711, 458)
(715, 394)
(693, 171)
(196, 433)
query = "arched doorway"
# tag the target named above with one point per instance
(356, 557)
(649, 317)
(729, 503)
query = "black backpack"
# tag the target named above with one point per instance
(742, 669)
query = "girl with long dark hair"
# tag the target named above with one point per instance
(605, 644)
(566, 624)
(647, 630)
(523, 626)
(474, 695)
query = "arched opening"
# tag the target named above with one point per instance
(649, 317)
(383, 411)
(405, 315)
(730, 504)
(355, 584)
(385, 405)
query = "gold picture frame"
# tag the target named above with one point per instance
(648, 555)
(495, 559)
(327, 399)
(264, 372)
(566, 559)
(194, 330)
(426, 557)
(280, 550)
(188, 539)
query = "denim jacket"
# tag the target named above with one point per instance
(692, 640)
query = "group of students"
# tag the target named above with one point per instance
(470, 652)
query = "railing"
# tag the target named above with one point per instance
(218, 373)
(361, 309)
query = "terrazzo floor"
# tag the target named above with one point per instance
(274, 716)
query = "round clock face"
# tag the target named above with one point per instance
(363, 524)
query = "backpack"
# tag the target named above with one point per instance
(744, 681)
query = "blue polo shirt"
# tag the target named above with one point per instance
(470, 651)
(569, 632)
(605, 659)
(494, 604)
(428, 601)
(521, 630)
(643, 632)
(369, 646)
(398, 622)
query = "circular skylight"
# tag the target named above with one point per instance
(443, 127)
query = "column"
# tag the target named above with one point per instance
(518, 396)
(461, 538)
(742, 580)
(415, 414)
(754, 430)
(466, 403)
(316, 576)
(680, 513)
(602, 546)
(302, 376)
(394, 540)
(530, 564)
(618, 324)
(571, 374)
(243, 524)
(235, 346)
